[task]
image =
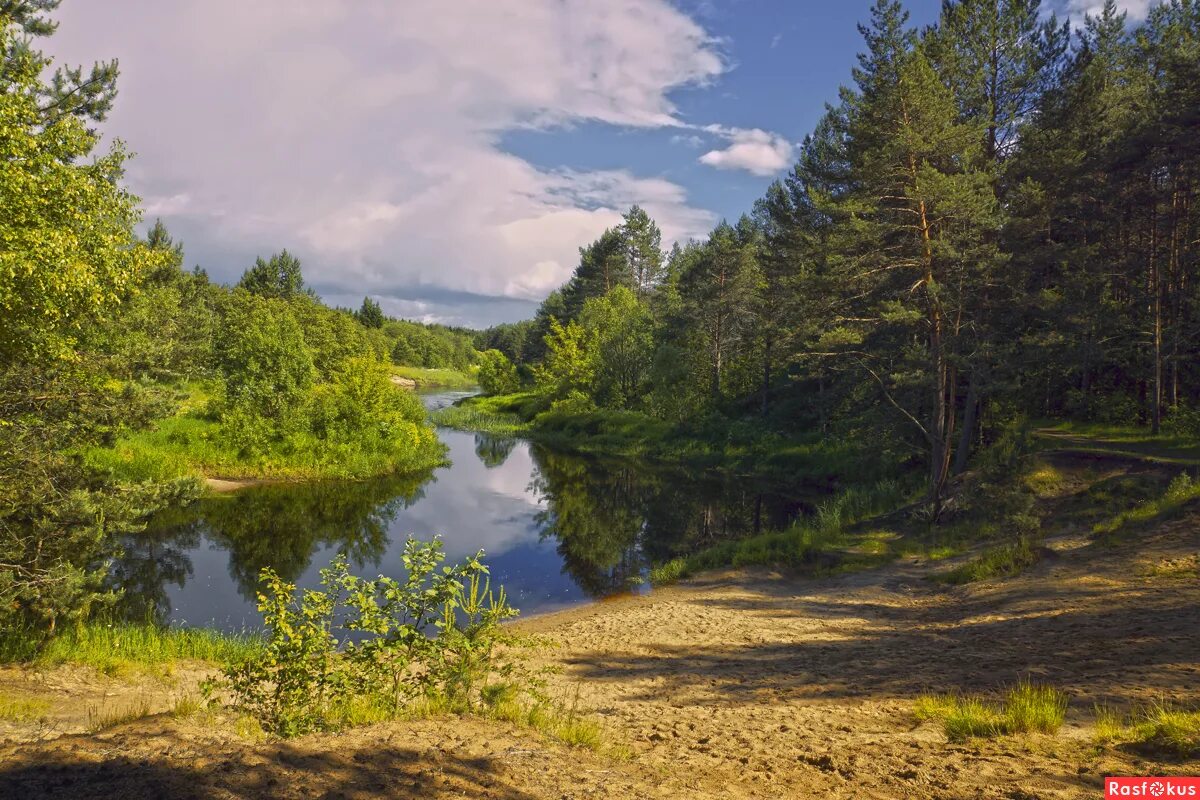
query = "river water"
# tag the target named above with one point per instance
(557, 529)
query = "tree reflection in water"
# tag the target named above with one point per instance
(280, 526)
(608, 518)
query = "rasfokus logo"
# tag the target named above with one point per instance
(1151, 787)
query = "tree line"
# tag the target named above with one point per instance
(997, 218)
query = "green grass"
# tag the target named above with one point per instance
(559, 721)
(1157, 728)
(997, 562)
(438, 378)
(1026, 708)
(22, 709)
(190, 445)
(1121, 441)
(119, 647)
(467, 418)
(1180, 492)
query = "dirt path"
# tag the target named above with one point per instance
(741, 685)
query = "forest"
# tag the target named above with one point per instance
(996, 222)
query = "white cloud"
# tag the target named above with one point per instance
(1136, 9)
(757, 151)
(365, 137)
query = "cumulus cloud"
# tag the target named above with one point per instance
(1136, 9)
(365, 137)
(757, 151)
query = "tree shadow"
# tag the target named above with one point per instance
(288, 772)
(1085, 639)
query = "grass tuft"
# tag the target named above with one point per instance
(1027, 708)
(670, 572)
(1157, 728)
(101, 718)
(998, 562)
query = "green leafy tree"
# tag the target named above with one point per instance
(370, 314)
(69, 254)
(623, 333)
(266, 367)
(568, 371)
(279, 276)
(497, 375)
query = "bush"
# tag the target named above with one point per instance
(368, 649)
(497, 375)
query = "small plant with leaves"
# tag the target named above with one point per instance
(290, 687)
(362, 650)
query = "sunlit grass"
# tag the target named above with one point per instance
(103, 717)
(14, 708)
(1046, 480)
(1125, 441)
(116, 647)
(1157, 728)
(436, 378)
(1181, 491)
(466, 418)
(1026, 708)
(997, 562)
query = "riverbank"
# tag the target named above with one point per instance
(739, 684)
(740, 448)
(425, 379)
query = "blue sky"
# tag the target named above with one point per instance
(449, 158)
(787, 59)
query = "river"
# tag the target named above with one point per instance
(558, 529)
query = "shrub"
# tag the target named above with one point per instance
(363, 650)
(497, 375)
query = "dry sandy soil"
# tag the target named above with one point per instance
(736, 685)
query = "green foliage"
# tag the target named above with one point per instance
(1027, 708)
(569, 369)
(370, 314)
(621, 330)
(379, 644)
(69, 254)
(430, 346)
(278, 277)
(267, 370)
(496, 374)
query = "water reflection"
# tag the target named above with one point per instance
(558, 529)
(610, 517)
